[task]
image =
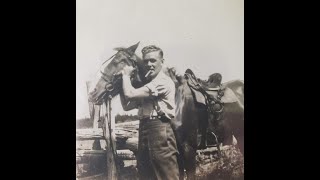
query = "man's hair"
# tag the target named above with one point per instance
(151, 48)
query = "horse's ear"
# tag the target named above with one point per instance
(132, 49)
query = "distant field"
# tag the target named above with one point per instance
(84, 123)
(87, 123)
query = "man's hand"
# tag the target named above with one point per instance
(127, 70)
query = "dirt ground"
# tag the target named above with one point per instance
(230, 166)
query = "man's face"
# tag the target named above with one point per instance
(152, 62)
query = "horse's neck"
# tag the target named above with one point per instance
(138, 80)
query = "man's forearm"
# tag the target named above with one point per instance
(126, 104)
(127, 87)
(132, 93)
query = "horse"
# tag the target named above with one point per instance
(188, 113)
(109, 84)
(192, 117)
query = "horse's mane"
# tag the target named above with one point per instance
(172, 73)
(119, 48)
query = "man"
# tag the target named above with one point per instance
(157, 148)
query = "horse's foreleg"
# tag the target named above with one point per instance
(190, 161)
(203, 144)
(180, 156)
(181, 166)
(203, 125)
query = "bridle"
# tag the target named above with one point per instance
(115, 77)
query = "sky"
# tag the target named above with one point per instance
(206, 36)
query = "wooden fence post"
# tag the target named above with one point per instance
(108, 133)
(110, 142)
(94, 110)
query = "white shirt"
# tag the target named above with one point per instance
(162, 95)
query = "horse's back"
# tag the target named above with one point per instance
(237, 86)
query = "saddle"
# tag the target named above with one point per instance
(204, 92)
(211, 94)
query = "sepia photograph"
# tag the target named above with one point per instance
(159, 90)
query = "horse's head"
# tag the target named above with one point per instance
(109, 83)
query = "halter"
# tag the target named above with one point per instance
(105, 62)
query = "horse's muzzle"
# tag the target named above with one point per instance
(96, 98)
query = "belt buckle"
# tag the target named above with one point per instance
(152, 117)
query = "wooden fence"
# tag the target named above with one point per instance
(100, 149)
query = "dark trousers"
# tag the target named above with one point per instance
(157, 151)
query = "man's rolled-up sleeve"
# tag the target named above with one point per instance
(158, 90)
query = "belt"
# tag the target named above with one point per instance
(148, 118)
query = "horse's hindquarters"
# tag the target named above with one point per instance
(233, 124)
